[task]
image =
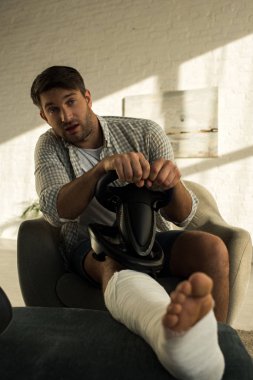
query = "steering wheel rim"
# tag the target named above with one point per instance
(110, 196)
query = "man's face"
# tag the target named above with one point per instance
(69, 113)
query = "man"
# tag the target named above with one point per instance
(71, 157)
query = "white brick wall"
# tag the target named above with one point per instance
(130, 47)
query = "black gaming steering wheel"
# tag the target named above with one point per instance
(131, 241)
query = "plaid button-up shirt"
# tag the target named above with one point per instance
(57, 163)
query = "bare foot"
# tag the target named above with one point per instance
(190, 302)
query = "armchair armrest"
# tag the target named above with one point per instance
(237, 240)
(39, 262)
(44, 281)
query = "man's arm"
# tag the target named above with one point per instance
(166, 175)
(180, 205)
(75, 196)
(183, 204)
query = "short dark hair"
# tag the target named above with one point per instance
(56, 77)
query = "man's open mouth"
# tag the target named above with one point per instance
(72, 128)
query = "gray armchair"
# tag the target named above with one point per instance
(45, 282)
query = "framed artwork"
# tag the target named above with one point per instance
(189, 118)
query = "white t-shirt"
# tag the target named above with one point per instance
(95, 212)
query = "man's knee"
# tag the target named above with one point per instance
(199, 251)
(215, 252)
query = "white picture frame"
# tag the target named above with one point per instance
(189, 118)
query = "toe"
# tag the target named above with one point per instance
(174, 308)
(169, 321)
(184, 287)
(201, 284)
(178, 297)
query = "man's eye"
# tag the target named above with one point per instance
(52, 110)
(70, 102)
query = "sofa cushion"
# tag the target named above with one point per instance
(64, 343)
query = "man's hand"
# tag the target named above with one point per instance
(164, 174)
(130, 167)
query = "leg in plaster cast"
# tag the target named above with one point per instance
(183, 335)
(182, 331)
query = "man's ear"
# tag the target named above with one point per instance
(88, 98)
(42, 115)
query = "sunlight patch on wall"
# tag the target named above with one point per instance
(25, 137)
(222, 65)
(17, 173)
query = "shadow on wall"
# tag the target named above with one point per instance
(114, 47)
(220, 161)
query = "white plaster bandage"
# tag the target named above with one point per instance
(139, 302)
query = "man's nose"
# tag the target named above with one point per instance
(66, 115)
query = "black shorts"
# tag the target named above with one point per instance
(165, 239)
